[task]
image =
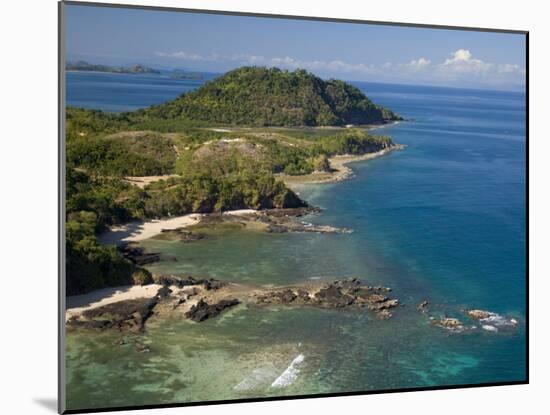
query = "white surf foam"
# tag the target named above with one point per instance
(258, 378)
(489, 328)
(290, 374)
(499, 321)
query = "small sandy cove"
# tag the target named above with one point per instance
(140, 230)
(76, 304)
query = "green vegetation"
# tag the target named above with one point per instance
(92, 205)
(257, 96)
(145, 154)
(212, 170)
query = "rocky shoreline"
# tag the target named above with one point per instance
(339, 169)
(271, 221)
(201, 299)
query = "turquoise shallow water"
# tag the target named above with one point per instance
(443, 220)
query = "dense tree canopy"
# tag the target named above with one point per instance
(258, 96)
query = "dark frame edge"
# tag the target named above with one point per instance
(61, 210)
(61, 389)
(527, 360)
(293, 17)
(293, 397)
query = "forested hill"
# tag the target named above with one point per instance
(259, 96)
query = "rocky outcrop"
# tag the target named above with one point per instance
(492, 322)
(423, 306)
(480, 314)
(451, 324)
(181, 282)
(138, 255)
(281, 220)
(332, 296)
(203, 311)
(488, 321)
(338, 294)
(123, 315)
(182, 235)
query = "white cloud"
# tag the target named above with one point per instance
(462, 61)
(418, 64)
(182, 55)
(509, 68)
(461, 68)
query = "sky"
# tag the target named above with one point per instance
(353, 52)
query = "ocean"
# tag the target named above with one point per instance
(442, 220)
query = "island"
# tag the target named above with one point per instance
(232, 154)
(90, 67)
(190, 76)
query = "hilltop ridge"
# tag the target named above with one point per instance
(260, 96)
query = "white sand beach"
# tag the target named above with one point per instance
(140, 230)
(76, 304)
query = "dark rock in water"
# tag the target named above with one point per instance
(180, 282)
(122, 315)
(138, 255)
(491, 321)
(142, 348)
(302, 295)
(292, 212)
(423, 306)
(180, 301)
(348, 284)
(384, 314)
(164, 292)
(276, 229)
(451, 324)
(338, 294)
(89, 324)
(184, 235)
(480, 314)
(378, 303)
(203, 311)
(332, 296)
(121, 342)
(212, 284)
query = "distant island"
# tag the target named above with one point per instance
(193, 76)
(259, 96)
(90, 67)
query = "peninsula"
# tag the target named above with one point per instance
(241, 141)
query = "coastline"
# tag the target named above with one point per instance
(339, 165)
(137, 231)
(77, 304)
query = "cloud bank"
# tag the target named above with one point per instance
(461, 68)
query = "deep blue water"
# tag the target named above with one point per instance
(442, 220)
(125, 92)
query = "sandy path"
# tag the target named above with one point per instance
(142, 181)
